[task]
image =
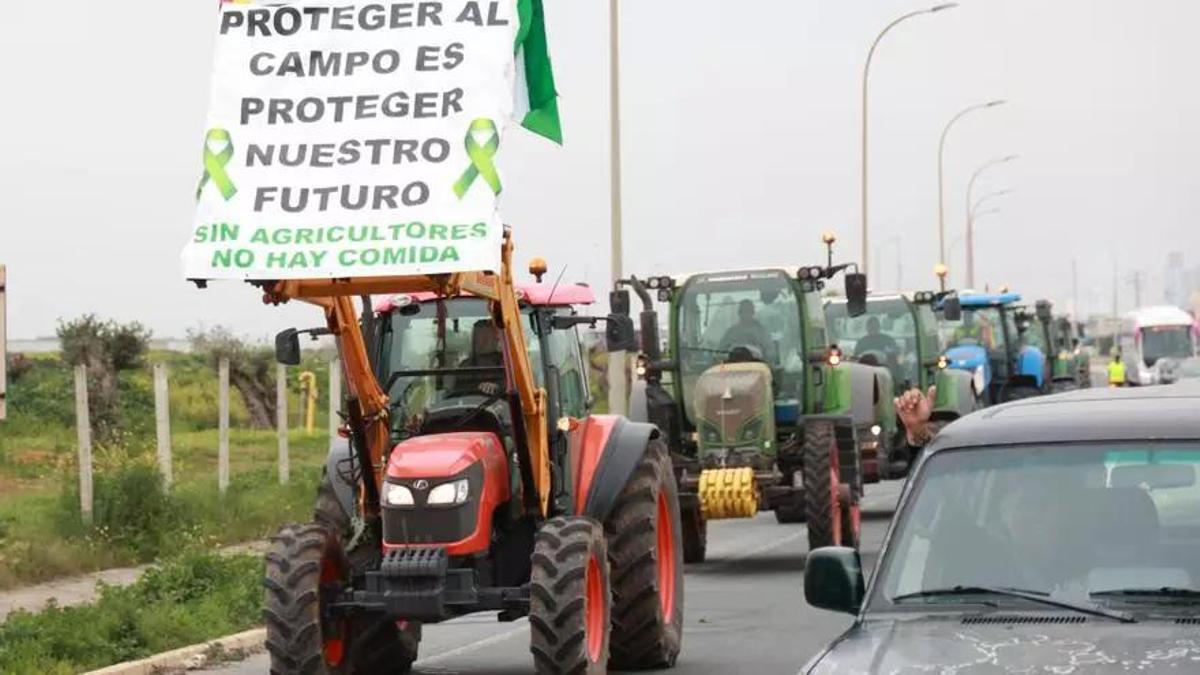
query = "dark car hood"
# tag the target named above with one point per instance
(947, 646)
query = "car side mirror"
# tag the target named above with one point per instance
(952, 308)
(287, 347)
(619, 334)
(833, 579)
(856, 294)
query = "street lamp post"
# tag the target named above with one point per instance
(941, 171)
(865, 78)
(616, 362)
(970, 208)
(974, 218)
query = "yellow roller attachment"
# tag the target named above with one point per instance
(728, 493)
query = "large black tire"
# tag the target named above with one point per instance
(789, 509)
(570, 598)
(851, 520)
(824, 524)
(645, 547)
(1063, 386)
(371, 646)
(304, 565)
(695, 535)
(1018, 393)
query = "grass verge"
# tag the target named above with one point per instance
(187, 600)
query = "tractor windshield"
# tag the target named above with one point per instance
(982, 326)
(1174, 342)
(885, 336)
(752, 315)
(457, 361)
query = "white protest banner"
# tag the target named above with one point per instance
(353, 139)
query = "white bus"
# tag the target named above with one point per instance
(1150, 338)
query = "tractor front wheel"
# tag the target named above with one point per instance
(570, 598)
(822, 501)
(645, 546)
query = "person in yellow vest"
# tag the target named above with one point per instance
(1116, 370)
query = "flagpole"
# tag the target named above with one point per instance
(616, 362)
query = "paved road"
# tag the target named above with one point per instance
(745, 608)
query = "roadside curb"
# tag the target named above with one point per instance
(230, 647)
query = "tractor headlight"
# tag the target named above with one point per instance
(398, 495)
(876, 429)
(979, 380)
(752, 430)
(943, 362)
(447, 494)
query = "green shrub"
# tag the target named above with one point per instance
(187, 600)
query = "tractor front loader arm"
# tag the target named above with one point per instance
(369, 422)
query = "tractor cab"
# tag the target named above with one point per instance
(900, 333)
(751, 393)
(987, 341)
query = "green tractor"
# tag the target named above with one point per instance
(1069, 366)
(900, 333)
(755, 403)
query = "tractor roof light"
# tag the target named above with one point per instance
(652, 282)
(664, 295)
(537, 267)
(828, 237)
(941, 270)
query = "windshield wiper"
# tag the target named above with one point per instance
(1168, 592)
(1040, 597)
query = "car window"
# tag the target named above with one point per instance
(1067, 520)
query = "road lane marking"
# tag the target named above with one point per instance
(477, 645)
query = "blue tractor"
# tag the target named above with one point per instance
(987, 340)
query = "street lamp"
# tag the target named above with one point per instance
(866, 77)
(941, 271)
(975, 216)
(941, 170)
(970, 207)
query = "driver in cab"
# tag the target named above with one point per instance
(485, 353)
(747, 332)
(975, 329)
(877, 341)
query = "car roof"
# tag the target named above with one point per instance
(1168, 412)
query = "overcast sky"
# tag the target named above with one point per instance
(741, 144)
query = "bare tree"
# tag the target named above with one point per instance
(251, 370)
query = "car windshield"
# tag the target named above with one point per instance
(886, 335)
(461, 364)
(1074, 522)
(1167, 342)
(757, 311)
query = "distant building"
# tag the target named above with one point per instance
(1181, 284)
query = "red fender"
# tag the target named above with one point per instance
(605, 451)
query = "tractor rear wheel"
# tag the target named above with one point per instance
(645, 547)
(570, 598)
(822, 503)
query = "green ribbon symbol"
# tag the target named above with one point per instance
(481, 158)
(214, 164)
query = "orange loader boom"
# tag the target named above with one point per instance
(335, 296)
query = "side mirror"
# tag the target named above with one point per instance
(1044, 311)
(833, 579)
(619, 334)
(856, 294)
(619, 302)
(952, 308)
(287, 347)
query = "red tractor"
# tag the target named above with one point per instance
(473, 478)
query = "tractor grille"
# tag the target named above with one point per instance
(423, 524)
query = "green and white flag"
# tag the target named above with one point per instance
(536, 104)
